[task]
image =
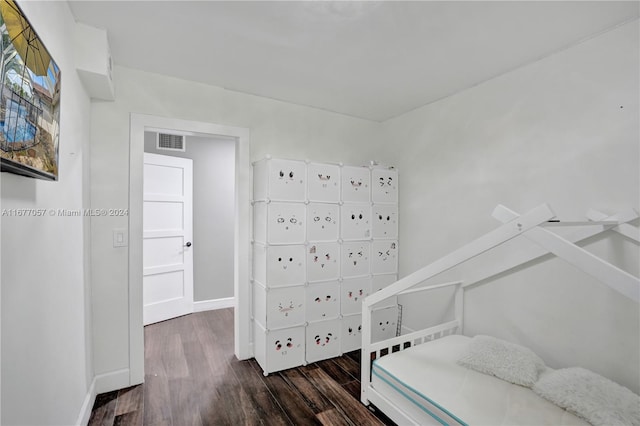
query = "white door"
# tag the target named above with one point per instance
(167, 233)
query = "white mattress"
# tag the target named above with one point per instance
(427, 379)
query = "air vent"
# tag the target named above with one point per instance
(170, 142)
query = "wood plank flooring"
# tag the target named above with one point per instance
(192, 377)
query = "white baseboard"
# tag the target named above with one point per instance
(114, 380)
(213, 304)
(87, 405)
(101, 383)
(251, 354)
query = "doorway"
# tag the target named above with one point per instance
(139, 124)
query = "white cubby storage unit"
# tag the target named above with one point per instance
(325, 237)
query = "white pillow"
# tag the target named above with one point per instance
(505, 360)
(596, 399)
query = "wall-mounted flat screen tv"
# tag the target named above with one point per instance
(29, 98)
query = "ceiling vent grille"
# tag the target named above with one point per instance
(170, 142)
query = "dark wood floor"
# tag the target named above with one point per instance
(192, 377)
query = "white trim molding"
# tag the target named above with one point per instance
(114, 380)
(87, 405)
(101, 383)
(213, 304)
(242, 266)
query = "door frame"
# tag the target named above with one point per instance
(138, 124)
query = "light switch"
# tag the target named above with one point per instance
(120, 238)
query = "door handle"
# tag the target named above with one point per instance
(188, 244)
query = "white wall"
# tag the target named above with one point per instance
(46, 319)
(277, 128)
(213, 211)
(564, 130)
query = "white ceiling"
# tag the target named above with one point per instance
(373, 60)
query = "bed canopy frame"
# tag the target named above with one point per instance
(532, 226)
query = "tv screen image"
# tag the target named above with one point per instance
(29, 98)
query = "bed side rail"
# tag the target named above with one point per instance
(400, 343)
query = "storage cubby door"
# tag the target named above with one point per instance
(323, 261)
(355, 221)
(287, 180)
(384, 256)
(384, 323)
(384, 221)
(323, 340)
(323, 301)
(285, 265)
(285, 306)
(286, 223)
(384, 186)
(323, 222)
(352, 293)
(323, 182)
(356, 184)
(355, 259)
(285, 348)
(351, 333)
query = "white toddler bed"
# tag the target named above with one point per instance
(415, 378)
